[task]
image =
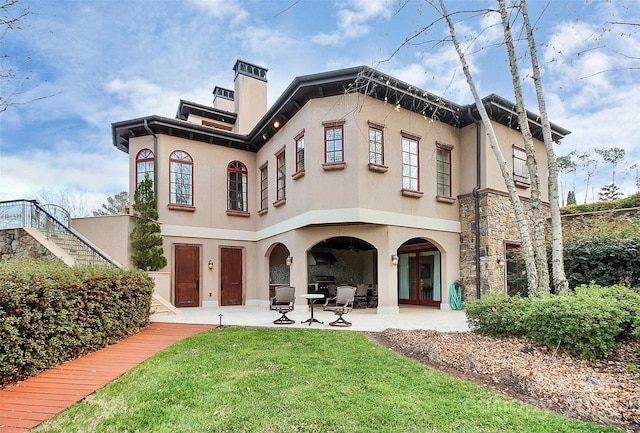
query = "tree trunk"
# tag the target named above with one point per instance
(527, 250)
(539, 222)
(557, 260)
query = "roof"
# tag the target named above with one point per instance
(360, 79)
(185, 108)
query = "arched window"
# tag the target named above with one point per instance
(237, 186)
(181, 178)
(145, 161)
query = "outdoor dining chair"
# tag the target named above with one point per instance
(360, 299)
(343, 304)
(283, 302)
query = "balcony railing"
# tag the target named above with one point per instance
(53, 221)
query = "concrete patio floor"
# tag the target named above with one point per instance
(365, 319)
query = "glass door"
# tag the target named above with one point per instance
(419, 278)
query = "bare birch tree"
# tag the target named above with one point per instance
(540, 250)
(527, 248)
(557, 260)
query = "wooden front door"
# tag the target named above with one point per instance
(231, 276)
(187, 276)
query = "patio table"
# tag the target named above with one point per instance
(312, 297)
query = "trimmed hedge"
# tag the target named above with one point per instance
(587, 322)
(604, 260)
(50, 313)
(623, 203)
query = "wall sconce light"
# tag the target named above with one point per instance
(210, 264)
(289, 261)
(394, 260)
(499, 260)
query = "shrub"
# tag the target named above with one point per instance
(50, 313)
(581, 324)
(607, 261)
(497, 315)
(624, 203)
(587, 322)
(145, 236)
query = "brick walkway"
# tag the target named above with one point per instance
(28, 403)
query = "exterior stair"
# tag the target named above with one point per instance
(161, 307)
(77, 248)
(49, 225)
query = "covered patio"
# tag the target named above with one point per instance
(409, 317)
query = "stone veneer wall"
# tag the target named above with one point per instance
(17, 243)
(498, 226)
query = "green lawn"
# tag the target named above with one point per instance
(297, 380)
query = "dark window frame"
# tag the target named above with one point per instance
(376, 157)
(145, 156)
(409, 188)
(335, 154)
(444, 180)
(237, 187)
(281, 176)
(185, 160)
(264, 188)
(300, 145)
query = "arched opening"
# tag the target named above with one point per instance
(343, 260)
(279, 271)
(419, 273)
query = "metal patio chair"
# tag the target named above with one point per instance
(360, 300)
(343, 304)
(283, 302)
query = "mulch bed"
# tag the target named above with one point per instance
(606, 392)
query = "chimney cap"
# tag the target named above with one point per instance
(249, 69)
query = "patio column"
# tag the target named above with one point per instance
(298, 273)
(387, 284)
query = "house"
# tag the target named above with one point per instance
(351, 177)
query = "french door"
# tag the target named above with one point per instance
(419, 278)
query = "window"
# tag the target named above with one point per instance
(516, 280)
(410, 164)
(376, 146)
(237, 186)
(300, 154)
(520, 170)
(181, 178)
(281, 172)
(443, 171)
(144, 166)
(264, 187)
(333, 144)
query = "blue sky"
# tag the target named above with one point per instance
(104, 61)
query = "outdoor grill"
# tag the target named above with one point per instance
(321, 284)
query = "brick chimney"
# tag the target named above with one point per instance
(250, 95)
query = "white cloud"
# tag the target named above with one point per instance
(96, 173)
(223, 9)
(353, 20)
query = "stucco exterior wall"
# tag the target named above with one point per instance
(110, 234)
(507, 138)
(343, 200)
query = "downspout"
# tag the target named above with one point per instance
(155, 159)
(476, 199)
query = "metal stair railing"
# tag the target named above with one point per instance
(29, 213)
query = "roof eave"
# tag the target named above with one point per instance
(123, 131)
